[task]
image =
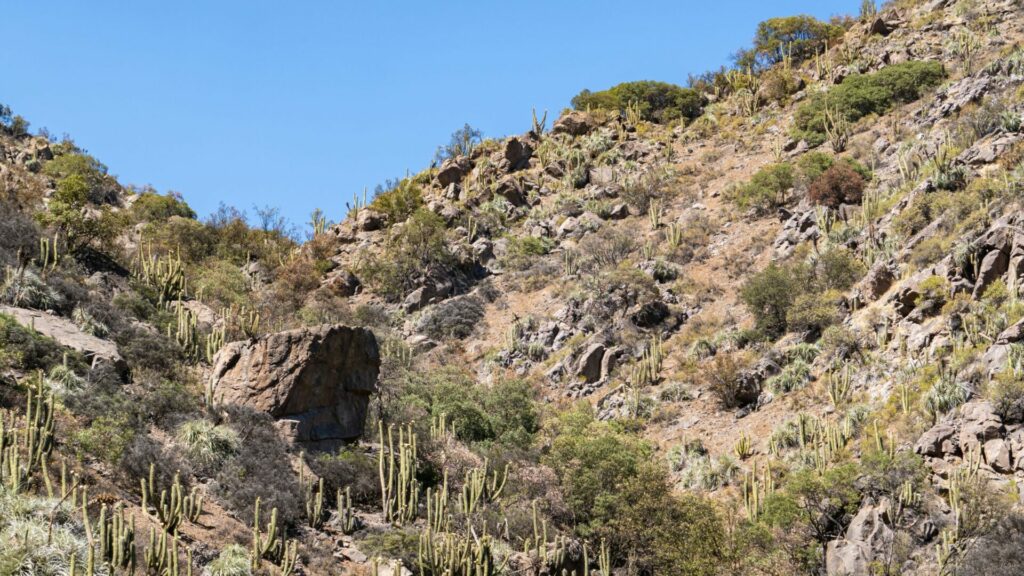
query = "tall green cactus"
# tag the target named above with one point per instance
(116, 538)
(451, 554)
(315, 504)
(346, 512)
(174, 505)
(265, 544)
(25, 449)
(478, 487)
(163, 273)
(397, 468)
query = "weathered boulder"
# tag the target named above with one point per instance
(980, 423)
(867, 539)
(369, 220)
(453, 170)
(575, 123)
(588, 366)
(937, 441)
(517, 153)
(649, 314)
(957, 95)
(877, 281)
(319, 377)
(66, 333)
(512, 189)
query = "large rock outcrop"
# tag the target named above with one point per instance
(318, 379)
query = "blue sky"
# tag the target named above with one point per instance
(301, 104)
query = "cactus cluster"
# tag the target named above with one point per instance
(397, 467)
(346, 511)
(315, 512)
(757, 487)
(269, 544)
(174, 505)
(48, 255)
(478, 488)
(451, 554)
(25, 449)
(116, 537)
(162, 555)
(163, 273)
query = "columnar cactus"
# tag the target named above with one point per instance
(173, 505)
(397, 468)
(265, 544)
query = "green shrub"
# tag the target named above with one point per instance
(504, 412)
(105, 438)
(401, 544)
(90, 172)
(462, 143)
(454, 318)
(862, 94)
(813, 312)
(768, 295)
(522, 251)
(1007, 394)
(153, 207)
(934, 290)
(659, 101)
(418, 249)
(766, 189)
(838, 268)
(814, 509)
(839, 342)
(77, 227)
(349, 468)
(399, 202)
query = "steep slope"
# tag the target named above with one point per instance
(768, 324)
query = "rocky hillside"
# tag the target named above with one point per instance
(770, 323)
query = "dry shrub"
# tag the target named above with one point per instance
(840, 184)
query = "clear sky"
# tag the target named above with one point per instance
(300, 104)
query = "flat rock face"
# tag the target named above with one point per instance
(66, 333)
(320, 378)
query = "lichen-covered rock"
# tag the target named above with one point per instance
(320, 377)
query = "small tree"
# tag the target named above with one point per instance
(769, 295)
(68, 212)
(462, 143)
(796, 37)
